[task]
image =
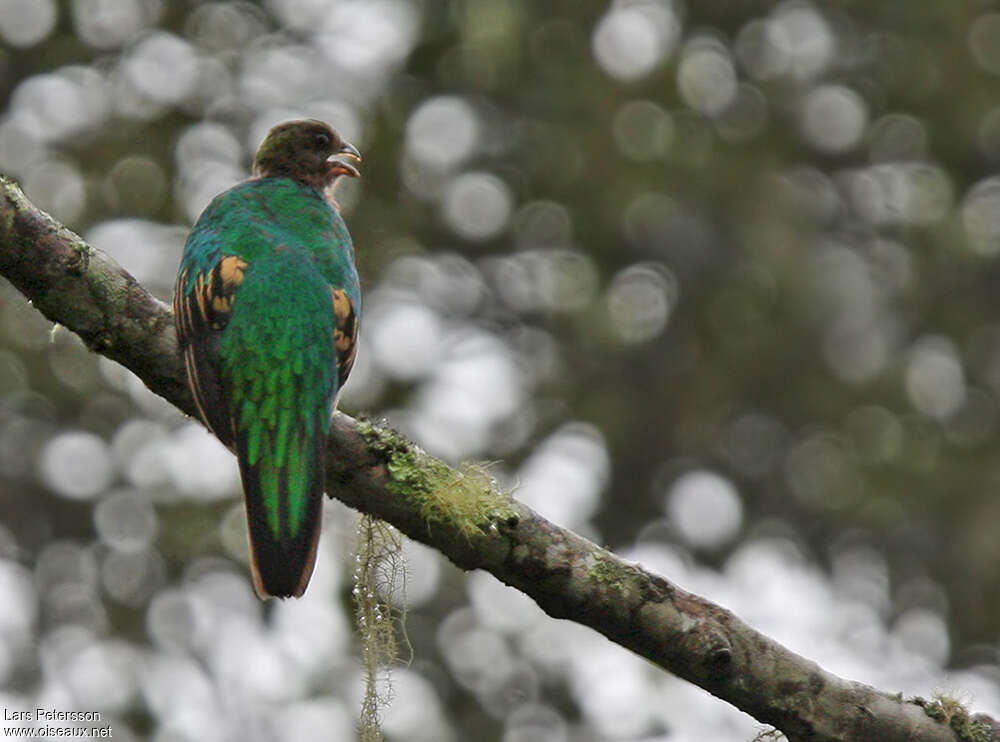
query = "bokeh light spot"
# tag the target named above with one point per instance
(77, 465)
(902, 193)
(163, 67)
(705, 76)
(24, 23)
(136, 185)
(744, 117)
(499, 606)
(633, 38)
(643, 130)
(935, 381)
(369, 37)
(706, 508)
(57, 187)
(132, 578)
(106, 24)
(984, 42)
(148, 250)
(819, 471)
(556, 279)
(200, 466)
(897, 136)
(804, 37)
(405, 339)
(477, 206)
(52, 106)
(416, 712)
(640, 300)
(564, 476)
(542, 224)
(221, 27)
(877, 433)
(300, 15)
(981, 216)
(125, 521)
(471, 651)
(924, 632)
(533, 722)
(318, 718)
(19, 608)
(833, 118)
(442, 132)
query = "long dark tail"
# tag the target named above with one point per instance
(282, 564)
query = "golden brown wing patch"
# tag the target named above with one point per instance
(345, 335)
(213, 294)
(220, 288)
(230, 272)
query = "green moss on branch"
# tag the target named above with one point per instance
(465, 498)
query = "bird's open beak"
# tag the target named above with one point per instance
(339, 166)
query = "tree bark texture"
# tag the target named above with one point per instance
(461, 513)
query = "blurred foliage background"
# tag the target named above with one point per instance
(714, 283)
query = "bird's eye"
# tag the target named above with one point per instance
(322, 140)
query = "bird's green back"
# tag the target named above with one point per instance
(278, 365)
(251, 218)
(287, 251)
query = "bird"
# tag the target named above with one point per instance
(267, 305)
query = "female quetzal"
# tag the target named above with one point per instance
(267, 304)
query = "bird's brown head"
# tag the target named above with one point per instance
(308, 151)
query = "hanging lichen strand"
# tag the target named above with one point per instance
(379, 599)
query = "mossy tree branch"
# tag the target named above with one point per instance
(461, 513)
